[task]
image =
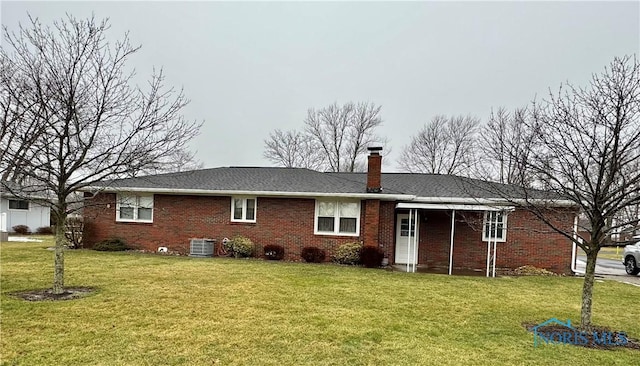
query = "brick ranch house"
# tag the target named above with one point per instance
(438, 222)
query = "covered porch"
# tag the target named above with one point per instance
(449, 238)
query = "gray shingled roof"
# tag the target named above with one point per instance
(245, 179)
(299, 180)
(441, 185)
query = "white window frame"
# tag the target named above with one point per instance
(19, 209)
(486, 219)
(336, 216)
(244, 208)
(136, 205)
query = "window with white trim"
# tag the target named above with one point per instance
(18, 205)
(337, 218)
(243, 209)
(134, 208)
(494, 226)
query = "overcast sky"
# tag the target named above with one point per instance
(249, 68)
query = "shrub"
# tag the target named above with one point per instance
(22, 229)
(313, 254)
(371, 256)
(274, 252)
(227, 245)
(532, 271)
(348, 253)
(242, 246)
(111, 245)
(74, 229)
(44, 230)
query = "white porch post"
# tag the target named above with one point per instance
(412, 242)
(573, 244)
(409, 244)
(495, 247)
(453, 221)
(493, 239)
(488, 247)
(416, 234)
(493, 232)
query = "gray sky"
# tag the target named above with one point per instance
(249, 68)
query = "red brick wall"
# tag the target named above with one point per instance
(374, 172)
(387, 229)
(371, 222)
(290, 222)
(285, 221)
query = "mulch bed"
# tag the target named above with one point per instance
(70, 293)
(631, 343)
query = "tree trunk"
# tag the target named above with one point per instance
(58, 270)
(587, 289)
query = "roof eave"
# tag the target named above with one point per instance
(209, 192)
(497, 201)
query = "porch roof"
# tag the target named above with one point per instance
(457, 207)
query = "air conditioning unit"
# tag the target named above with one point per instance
(202, 247)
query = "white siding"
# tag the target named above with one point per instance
(36, 216)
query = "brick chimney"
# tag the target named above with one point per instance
(374, 170)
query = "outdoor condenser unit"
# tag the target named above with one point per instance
(202, 247)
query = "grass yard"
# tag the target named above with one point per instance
(609, 253)
(160, 310)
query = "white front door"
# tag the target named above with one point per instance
(405, 248)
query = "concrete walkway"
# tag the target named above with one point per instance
(609, 269)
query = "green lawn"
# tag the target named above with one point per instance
(608, 253)
(611, 253)
(159, 310)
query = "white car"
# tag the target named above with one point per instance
(631, 258)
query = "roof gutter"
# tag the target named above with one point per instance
(380, 196)
(496, 201)
(455, 207)
(208, 192)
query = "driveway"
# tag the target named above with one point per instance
(609, 269)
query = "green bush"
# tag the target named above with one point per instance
(274, 252)
(371, 256)
(313, 254)
(44, 230)
(242, 246)
(22, 229)
(111, 245)
(348, 253)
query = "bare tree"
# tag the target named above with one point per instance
(336, 138)
(18, 118)
(180, 160)
(503, 146)
(73, 116)
(630, 216)
(294, 149)
(443, 146)
(587, 150)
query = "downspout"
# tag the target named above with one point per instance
(453, 221)
(574, 246)
(488, 255)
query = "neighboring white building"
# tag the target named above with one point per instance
(15, 211)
